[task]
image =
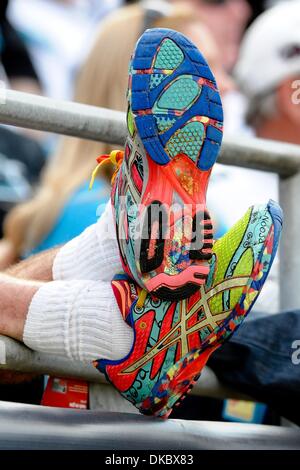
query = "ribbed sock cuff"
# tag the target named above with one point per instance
(77, 319)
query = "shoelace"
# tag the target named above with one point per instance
(115, 157)
(141, 298)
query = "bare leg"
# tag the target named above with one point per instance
(37, 267)
(15, 299)
(16, 294)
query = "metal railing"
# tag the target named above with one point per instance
(89, 122)
(31, 427)
(16, 356)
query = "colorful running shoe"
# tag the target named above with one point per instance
(173, 340)
(159, 196)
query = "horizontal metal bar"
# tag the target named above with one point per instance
(90, 122)
(17, 357)
(261, 154)
(31, 427)
(62, 117)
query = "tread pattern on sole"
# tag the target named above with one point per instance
(171, 85)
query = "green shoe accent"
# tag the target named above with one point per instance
(130, 123)
(180, 95)
(187, 140)
(241, 259)
(244, 267)
(237, 259)
(230, 243)
(169, 56)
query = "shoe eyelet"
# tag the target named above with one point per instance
(156, 303)
(139, 310)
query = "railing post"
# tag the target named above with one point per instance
(289, 196)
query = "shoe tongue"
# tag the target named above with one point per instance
(126, 292)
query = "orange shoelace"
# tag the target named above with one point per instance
(115, 157)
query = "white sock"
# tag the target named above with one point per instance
(93, 255)
(77, 319)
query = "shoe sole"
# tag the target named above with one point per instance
(174, 386)
(178, 114)
(175, 101)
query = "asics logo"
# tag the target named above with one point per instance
(181, 330)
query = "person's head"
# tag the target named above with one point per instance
(227, 20)
(102, 81)
(268, 72)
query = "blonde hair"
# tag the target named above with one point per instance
(101, 82)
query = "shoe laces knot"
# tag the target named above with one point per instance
(115, 157)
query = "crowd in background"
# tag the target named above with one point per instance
(79, 49)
